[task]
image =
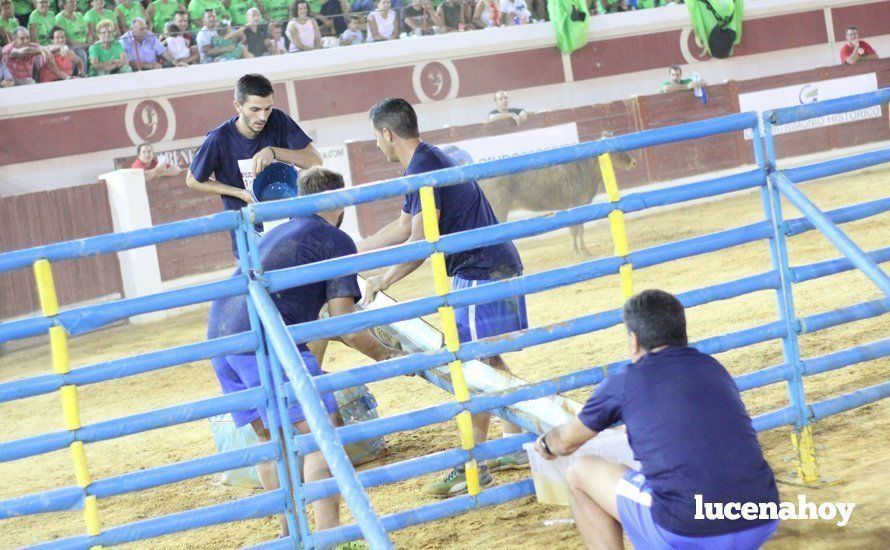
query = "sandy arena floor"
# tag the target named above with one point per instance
(843, 441)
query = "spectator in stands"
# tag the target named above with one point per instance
(421, 18)
(454, 15)
(352, 35)
(302, 30)
(143, 48)
(676, 82)
(856, 50)
(63, 61)
(22, 10)
(487, 14)
(8, 22)
(205, 36)
(198, 8)
(674, 402)
(514, 12)
(255, 33)
(161, 12)
(107, 56)
(126, 12)
(277, 11)
(177, 46)
(229, 43)
(335, 11)
(503, 111)
(75, 27)
(41, 23)
(613, 6)
(238, 10)
(383, 23)
(275, 42)
(99, 13)
(21, 56)
(148, 162)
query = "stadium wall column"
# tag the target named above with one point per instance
(140, 270)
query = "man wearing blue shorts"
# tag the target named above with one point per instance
(245, 145)
(459, 207)
(302, 240)
(687, 426)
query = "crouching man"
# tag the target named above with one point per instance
(688, 428)
(302, 240)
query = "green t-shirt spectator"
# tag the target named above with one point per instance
(76, 29)
(10, 25)
(238, 11)
(163, 14)
(45, 24)
(277, 10)
(683, 81)
(197, 7)
(130, 13)
(93, 17)
(83, 6)
(315, 6)
(22, 7)
(102, 55)
(646, 4)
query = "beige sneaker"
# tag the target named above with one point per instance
(455, 483)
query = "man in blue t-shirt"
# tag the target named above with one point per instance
(459, 207)
(301, 240)
(240, 148)
(689, 430)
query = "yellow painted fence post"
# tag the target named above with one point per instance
(58, 341)
(616, 225)
(449, 328)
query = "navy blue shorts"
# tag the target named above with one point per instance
(240, 372)
(635, 513)
(490, 319)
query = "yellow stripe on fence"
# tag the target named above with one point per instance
(616, 225)
(449, 328)
(58, 342)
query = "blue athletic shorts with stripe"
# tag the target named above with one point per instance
(635, 513)
(490, 319)
(240, 372)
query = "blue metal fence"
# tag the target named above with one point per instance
(275, 343)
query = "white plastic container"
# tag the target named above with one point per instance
(549, 476)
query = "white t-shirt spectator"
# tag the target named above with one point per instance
(205, 40)
(517, 7)
(351, 37)
(385, 27)
(178, 47)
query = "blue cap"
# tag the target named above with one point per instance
(278, 181)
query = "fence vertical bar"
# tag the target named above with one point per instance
(294, 516)
(802, 436)
(58, 341)
(616, 225)
(452, 341)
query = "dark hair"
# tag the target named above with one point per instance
(677, 67)
(852, 28)
(319, 179)
(295, 7)
(253, 84)
(657, 318)
(140, 146)
(57, 28)
(396, 115)
(181, 12)
(351, 17)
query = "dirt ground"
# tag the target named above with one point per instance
(848, 445)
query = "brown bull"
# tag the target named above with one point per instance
(555, 188)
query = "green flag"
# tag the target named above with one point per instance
(717, 24)
(570, 19)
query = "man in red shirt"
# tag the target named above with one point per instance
(146, 160)
(856, 50)
(19, 56)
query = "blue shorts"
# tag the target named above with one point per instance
(491, 319)
(635, 513)
(240, 372)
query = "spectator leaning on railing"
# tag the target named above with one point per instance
(107, 56)
(21, 55)
(856, 50)
(63, 61)
(143, 48)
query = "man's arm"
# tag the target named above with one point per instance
(302, 158)
(395, 232)
(398, 272)
(25, 52)
(564, 440)
(363, 341)
(213, 186)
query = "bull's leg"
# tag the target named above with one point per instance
(578, 246)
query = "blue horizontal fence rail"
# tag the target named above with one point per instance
(80, 320)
